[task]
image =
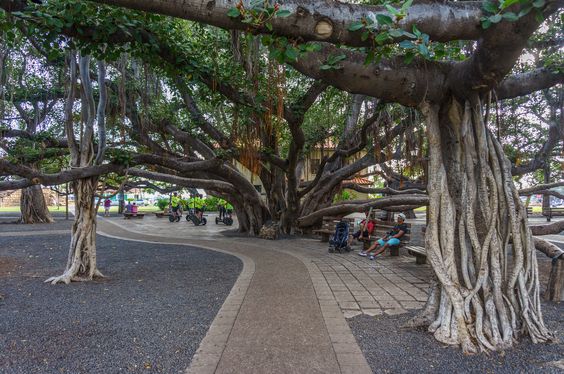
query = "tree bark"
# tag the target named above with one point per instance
(81, 263)
(555, 288)
(33, 207)
(487, 298)
(546, 197)
(554, 228)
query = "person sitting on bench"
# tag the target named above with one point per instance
(390, 240)
(365, 230)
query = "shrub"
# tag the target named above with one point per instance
(162, 203)
(211, 203)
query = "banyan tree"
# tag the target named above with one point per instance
(449, 60)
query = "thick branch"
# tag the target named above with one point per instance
(387, 190)
(344, 209)
(324, 21)
(548, 248)
(49, 142)
(526, 83)
(539, 187)
(549, 229)
(391, 80)
(215, 185)
(32, 176)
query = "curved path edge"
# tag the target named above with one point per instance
(211, 347)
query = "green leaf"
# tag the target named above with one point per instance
(234, 13)
(369, 57)
(538, 3)
(395, 33)
(407, 44)
(391, 9)
(283, 13)
(423, 50)
(364, 36)
(524, 11)
(490, 7)
(425, 38)
(257, 4)
(507, 3)
(510, 16)
(382, 37)
(495, 18)
(384, 19)
(325, 67)
(340, 58)
(486, 23)
(406, 6)
(416, 31)
(291, 53)
(355, 26)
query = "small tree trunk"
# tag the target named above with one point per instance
(488, 298)
(81, 263)
(410, 214)
(555, 288)
(546, 198)
(33, 207)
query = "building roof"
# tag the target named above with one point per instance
(359, 181)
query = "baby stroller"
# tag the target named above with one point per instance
(339, 241)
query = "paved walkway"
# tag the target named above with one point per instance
(286, 313)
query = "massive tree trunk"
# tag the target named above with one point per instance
(33, 207)
(488, 291)
(81, 263)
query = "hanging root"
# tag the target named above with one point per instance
(485, 299)
(426, 316)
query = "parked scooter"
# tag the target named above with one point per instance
(226, 220)
(191, 216)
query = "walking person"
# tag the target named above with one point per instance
(107, 206)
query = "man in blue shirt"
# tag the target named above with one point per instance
(391, 239)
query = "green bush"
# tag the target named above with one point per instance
(211, 203)
(162, 203)
(344, 195)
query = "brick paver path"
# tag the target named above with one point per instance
(286, 313)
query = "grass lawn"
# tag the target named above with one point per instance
(16, 209)
(53, 208)
(148, 209)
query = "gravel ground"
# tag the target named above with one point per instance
(148, 316)
(8, 219)
(390, 349)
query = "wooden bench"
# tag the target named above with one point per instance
(133, 215)
(419, 253)
(381, 228)
(550, 212)
(529, 211)
(161, 214)
(328, 227)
